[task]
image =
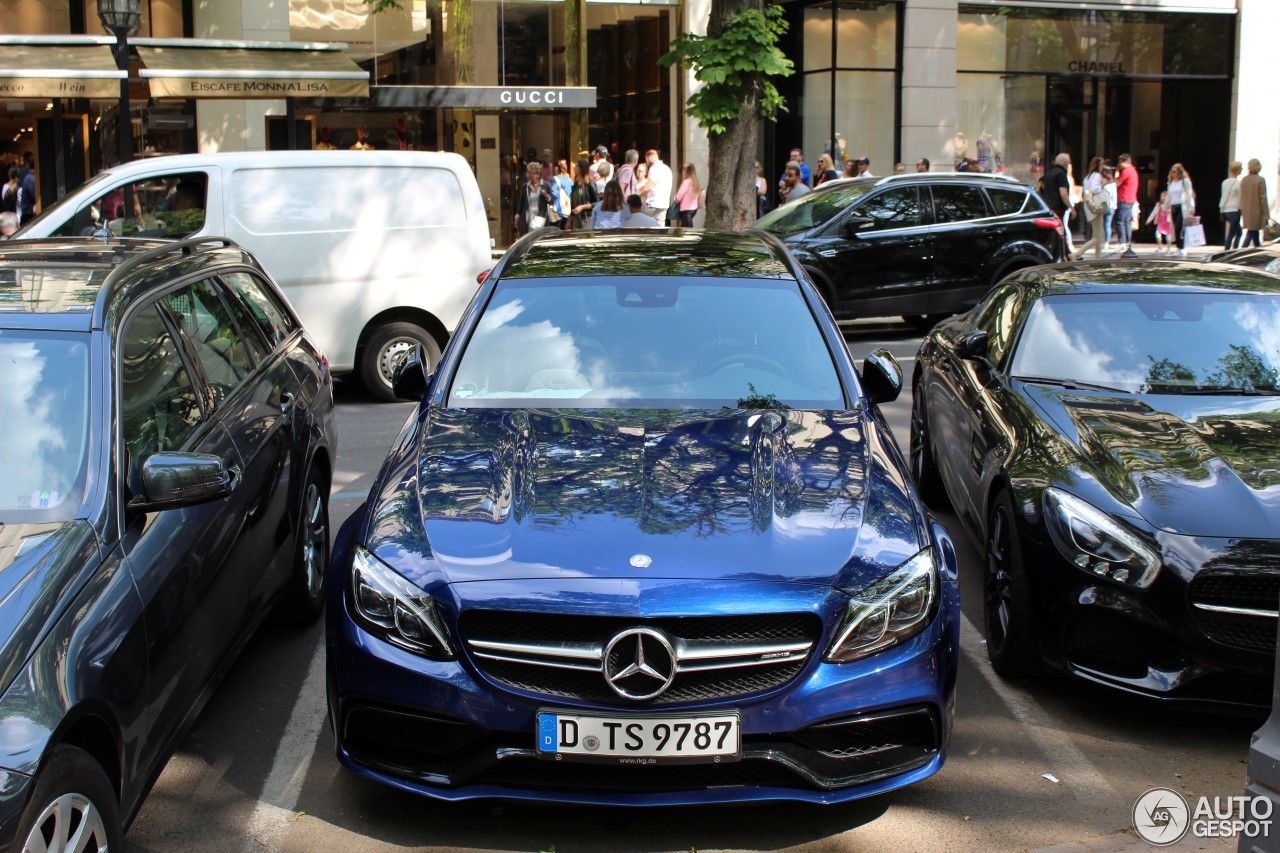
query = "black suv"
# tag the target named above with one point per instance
(166, 448)
(921, 245)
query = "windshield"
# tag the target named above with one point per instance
(44, 425)
(655, 342)
(1156, 343)
(70, 199)
(814, 209)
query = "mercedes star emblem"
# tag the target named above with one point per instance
(639, 663)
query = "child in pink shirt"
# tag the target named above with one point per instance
(1164, 225)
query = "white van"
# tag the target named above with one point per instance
(377, 250)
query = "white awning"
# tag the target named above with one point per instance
(218, 72)
(34, 70)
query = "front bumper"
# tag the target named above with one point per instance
(14, 789)
(835, 732)
(1153, 643)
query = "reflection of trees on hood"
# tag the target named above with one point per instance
(708, 473)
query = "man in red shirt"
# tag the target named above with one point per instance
(1126, 198)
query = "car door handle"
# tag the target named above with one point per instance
(286, 402)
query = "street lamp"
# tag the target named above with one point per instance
(123, 18)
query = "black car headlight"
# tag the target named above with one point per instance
(1094, 541)
(387, 605)
(887, 612)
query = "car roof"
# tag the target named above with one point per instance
(649, 252)
(1147, 275)
(70, 283)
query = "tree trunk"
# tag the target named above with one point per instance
(731, 179)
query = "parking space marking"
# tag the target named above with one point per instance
(279, 795)
(1066, 761)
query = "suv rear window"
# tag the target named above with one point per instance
(1006, 201)
(957, 203)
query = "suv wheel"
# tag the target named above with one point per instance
(385, 348)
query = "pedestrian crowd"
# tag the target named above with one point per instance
(797, 177)
(17, 193)
(1109, 196)
(594, 192)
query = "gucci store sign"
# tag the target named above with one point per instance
(485, 97)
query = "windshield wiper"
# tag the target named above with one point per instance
(1071, 384)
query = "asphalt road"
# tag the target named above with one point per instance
(257, 772)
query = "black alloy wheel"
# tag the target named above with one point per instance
(924, 469)
(303, 600)
(1006, 597)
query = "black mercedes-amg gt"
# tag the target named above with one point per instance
(1110, 434)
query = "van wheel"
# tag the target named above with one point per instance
(385, 348)
(72, 806)
(303, 599)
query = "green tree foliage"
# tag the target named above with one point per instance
(739, 63)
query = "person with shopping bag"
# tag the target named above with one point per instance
(1182, 204)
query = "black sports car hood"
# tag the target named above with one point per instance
(799, 496)
(38, 564)
(1200, 466)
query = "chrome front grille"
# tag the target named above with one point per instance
(712, 657)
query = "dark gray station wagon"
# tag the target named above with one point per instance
(166, 446)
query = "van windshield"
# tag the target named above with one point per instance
(58, 210)
(168, 206)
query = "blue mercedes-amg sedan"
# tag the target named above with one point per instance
(646, 540)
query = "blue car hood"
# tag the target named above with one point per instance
(1198, 466)
(795, 496)
(39, 564)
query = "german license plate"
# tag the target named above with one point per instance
(675, 739)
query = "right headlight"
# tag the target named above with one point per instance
(1097, 543)
(1273, 265)
(887, 612)
(388, 606)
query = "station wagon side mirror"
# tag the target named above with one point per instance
(857, 224)
(882, 377)
(174, 480)
(973, 346)
(410, 378)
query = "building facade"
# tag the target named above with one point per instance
(975, 85)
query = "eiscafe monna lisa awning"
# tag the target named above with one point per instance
(58, 71)
(213, 72)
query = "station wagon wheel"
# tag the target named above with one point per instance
(72, 806)
(385, 348)
(1006, 596)
(923, 468)
(303, 599)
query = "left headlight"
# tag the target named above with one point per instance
(1097, 543)
(387, 605)
(1273, 265)
(887, 612)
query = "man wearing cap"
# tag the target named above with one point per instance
(864, 167)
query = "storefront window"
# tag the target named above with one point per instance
(633, 92)
(1032, 83)
(857, 118)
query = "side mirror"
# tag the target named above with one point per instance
(409, 379)
(857, 224)
(882, 377)
(973, 346)
(173, 480)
